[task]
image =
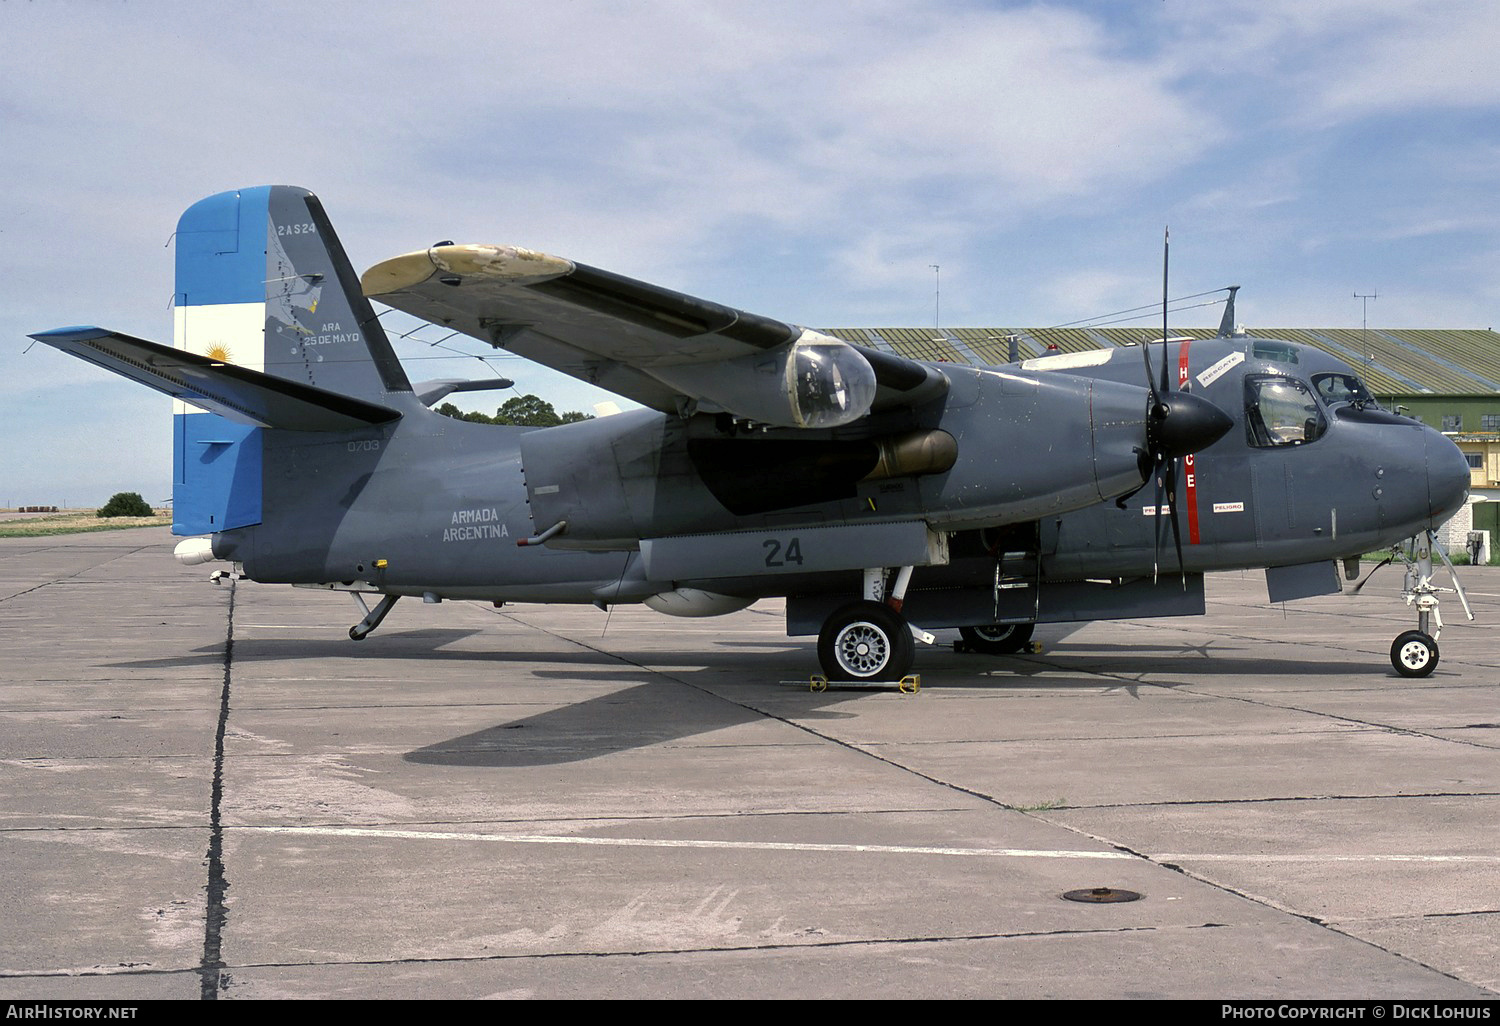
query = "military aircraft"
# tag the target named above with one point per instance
(883, 497)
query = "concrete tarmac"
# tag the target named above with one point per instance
(211, 791)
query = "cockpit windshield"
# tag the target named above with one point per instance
(1281, 411)
(1337, 389)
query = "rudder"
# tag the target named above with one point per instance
(263, 282)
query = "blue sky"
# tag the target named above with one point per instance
(807, 161)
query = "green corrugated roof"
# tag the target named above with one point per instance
(1392, 360)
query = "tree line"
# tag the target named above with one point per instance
(522, 410)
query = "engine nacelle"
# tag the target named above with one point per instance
(816, 381)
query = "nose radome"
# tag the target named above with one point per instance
(1447, 477)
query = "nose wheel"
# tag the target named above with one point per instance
(1414, 654)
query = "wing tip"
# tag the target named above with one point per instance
(396, 274)
(506, 265)
(73, 333)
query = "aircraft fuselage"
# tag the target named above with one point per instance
(435, 506)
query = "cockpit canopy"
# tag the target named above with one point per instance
(1336, 389)
(1282, 410)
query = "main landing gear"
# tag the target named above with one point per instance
(866, 641)
(869, 640)
(1415, 653)
(997, 638)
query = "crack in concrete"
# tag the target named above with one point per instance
(76, 573)
(1281, 798)
(855, 942)
(216, 916)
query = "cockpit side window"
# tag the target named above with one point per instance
(1281, 411)
(1336, 389)
(1281, 352)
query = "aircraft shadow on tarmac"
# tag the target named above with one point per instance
(653, 712)
(426, 645)
(736, 684)
(637, 717)
(1199, 660)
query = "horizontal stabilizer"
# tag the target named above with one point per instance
(429, 392)
(236, 393)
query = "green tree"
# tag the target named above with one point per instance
(527, 411)
(125, 504)
(449, 410)
(523, 410)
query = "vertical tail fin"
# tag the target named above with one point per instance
(263, 282)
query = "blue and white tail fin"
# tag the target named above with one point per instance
(263, 283)
(271, 332)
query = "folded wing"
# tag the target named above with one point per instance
(666, 350)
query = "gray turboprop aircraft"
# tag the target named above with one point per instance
(881, 496)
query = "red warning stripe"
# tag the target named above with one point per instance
(1190, 472)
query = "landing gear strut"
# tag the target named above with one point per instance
(1415, 653)
(372, 616)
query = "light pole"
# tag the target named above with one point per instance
(937, 296)
(1364, 321)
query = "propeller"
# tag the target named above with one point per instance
(1177, 424)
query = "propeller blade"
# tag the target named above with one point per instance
(1150, 374)
(1176, 525)
(1156, 552)
(1161, 409)
(1166, 248)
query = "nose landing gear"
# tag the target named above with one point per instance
(1415, 653)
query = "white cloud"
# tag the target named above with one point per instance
(1095, 292)
(1338, 59)
(804, 161)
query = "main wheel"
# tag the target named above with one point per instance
(866, 641)
(998, 638)
(1414, 654)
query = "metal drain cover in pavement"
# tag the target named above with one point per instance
(1101, 895)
